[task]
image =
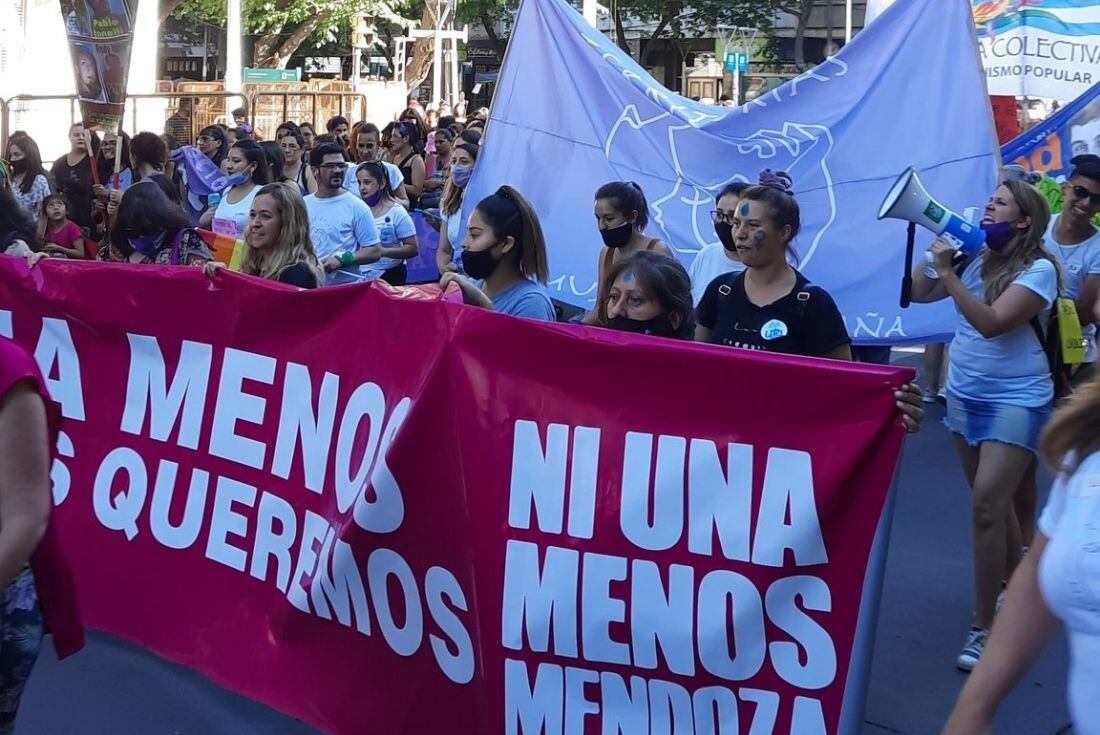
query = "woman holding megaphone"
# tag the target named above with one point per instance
(999, 386)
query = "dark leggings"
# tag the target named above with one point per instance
(20, 642)
(397, 275)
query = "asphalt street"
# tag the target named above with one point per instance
(114, 688)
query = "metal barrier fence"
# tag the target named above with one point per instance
(48, 117)
(271, 109)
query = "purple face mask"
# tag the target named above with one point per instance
(148, 245)
(998, 235)
(374, 198)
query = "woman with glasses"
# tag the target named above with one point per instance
(720, 258)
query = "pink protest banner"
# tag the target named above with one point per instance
(379, 512)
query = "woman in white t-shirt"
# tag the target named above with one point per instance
(247, 167)
(1059, 581)
(999, 388)
(396, 230)
(452, 233)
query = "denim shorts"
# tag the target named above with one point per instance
(983, 421)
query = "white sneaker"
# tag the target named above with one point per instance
(972, 651)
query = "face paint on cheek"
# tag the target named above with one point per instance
(759, 237)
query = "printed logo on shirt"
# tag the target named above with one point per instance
(774, 329)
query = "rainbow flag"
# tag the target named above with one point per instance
(225, 248)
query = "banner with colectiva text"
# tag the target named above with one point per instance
(381, 512)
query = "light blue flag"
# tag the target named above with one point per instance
(572, 112)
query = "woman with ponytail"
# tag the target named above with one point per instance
(621, 217)
(1057, 582)
(504, 248)
(999, 387)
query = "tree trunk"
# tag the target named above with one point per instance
(620, 32)
(800, 34)
(491, 32)
(421, 63)
(267, 56)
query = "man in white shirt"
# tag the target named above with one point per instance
(1074, 240)
(340, 223)
(717, 259)
(368, 148)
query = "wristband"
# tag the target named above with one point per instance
(347, 258)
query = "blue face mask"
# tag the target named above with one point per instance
(148, 245)
(461, 175)
(237, 179)
(999, 234)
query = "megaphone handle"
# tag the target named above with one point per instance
(907, 278)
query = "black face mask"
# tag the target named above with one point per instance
(658, 326)
(724, 230)
(479, 264)
(616, 237)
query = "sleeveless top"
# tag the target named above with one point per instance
(407, 175)
(52, 573)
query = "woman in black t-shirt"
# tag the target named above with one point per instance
(770, 306)
(74, 178)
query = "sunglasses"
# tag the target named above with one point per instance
(1082, 193)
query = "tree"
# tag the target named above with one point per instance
(282, 27)
(802, 11)
(676, 21)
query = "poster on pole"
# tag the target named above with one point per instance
(100, 34)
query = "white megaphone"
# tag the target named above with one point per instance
(908, 200)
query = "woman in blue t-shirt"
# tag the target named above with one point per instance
(505, 249)
(999, 388)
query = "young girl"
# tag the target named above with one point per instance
(62, 236)
(395, 226)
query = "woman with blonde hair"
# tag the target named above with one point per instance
(1058, 582)
(279, 247)
(999, 387)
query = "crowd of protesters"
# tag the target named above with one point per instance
(318, 210)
